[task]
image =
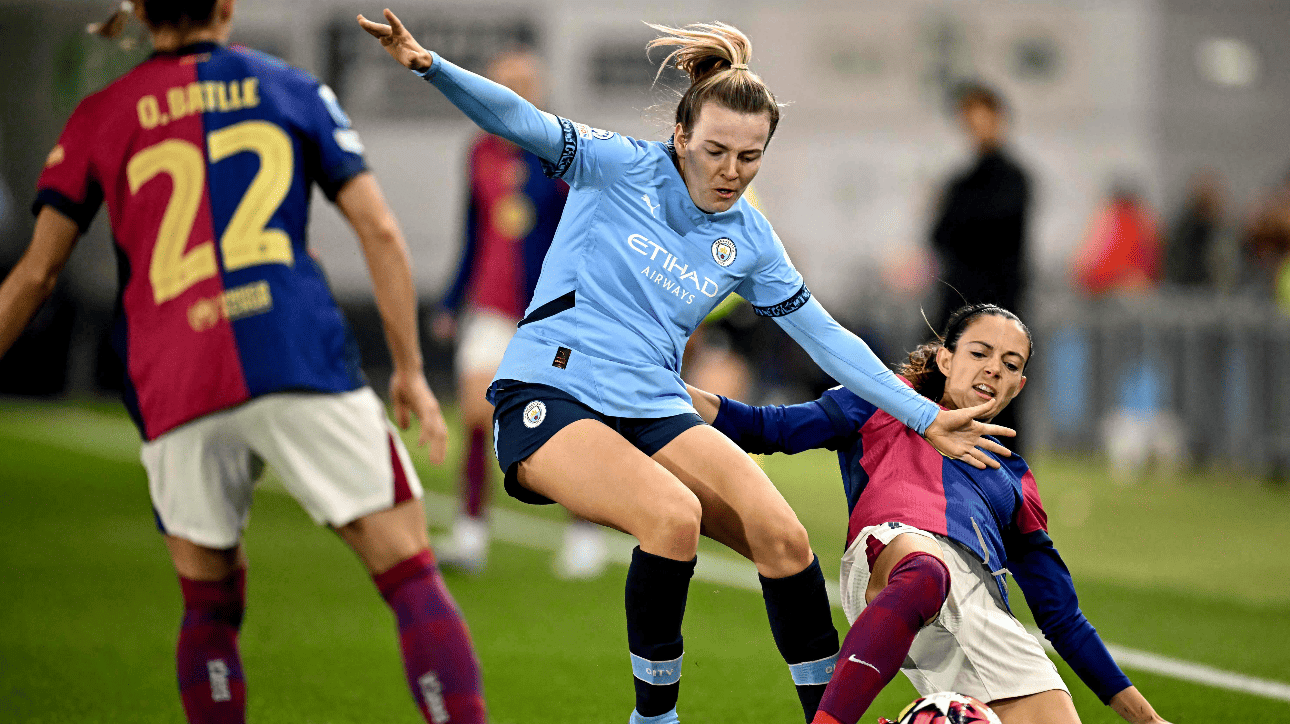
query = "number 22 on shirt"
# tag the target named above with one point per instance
(245, 241)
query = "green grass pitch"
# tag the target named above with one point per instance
(1189, 566)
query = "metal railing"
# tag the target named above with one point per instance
(1214, 369)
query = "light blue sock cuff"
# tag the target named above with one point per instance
(668, 718)
(658, 673)
(813, 672)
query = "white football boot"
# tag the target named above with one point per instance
(583, 555)
(467, 549)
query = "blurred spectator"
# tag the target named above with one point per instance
(1267, 246)
(1192, 252)
(1121, 256)
(1121, 252)
(980, 230)
(511, 219)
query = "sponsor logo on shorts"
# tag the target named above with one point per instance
(724, 251)
(534, 414)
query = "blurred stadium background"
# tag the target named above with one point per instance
(1157, 413)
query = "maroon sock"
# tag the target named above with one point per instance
(437, 655)
(211, 684)
(475, 473)
(880, 638)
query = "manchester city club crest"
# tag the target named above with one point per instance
(724, 251)
(534, 414)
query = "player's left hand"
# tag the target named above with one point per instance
(957, 434)
(398, 42)
(410, 394)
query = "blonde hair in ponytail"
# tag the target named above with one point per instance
(715, 56)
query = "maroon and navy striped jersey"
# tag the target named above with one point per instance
(206, 158)
(891, 474)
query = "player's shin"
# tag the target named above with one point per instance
(207, 661)
(437, 654)
(657, 589)
(802, 624)
(882, 635)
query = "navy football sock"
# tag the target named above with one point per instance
(802, 624)
(657, 588)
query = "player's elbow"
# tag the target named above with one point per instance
(36, 279)
(1064, 625)
(380, 234)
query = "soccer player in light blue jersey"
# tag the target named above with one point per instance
(591, 411)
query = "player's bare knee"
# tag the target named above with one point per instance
(387, 537)
(781, 546)
(671, 526)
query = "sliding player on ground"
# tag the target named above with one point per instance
(591, 411)
(235, 353)
(932, 540)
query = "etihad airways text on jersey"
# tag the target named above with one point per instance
(670, 264)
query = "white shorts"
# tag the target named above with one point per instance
(337, 454)
(974, 646)
(482, 341)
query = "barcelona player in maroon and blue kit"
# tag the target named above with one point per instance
(235, 353)
(931, 540)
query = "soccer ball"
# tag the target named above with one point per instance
(945, 707)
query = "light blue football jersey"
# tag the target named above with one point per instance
(645, 266)
(635, 266)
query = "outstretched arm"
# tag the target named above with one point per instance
(493, 107)
(32, 279)
(363, 205)
(954, 433)
(1050, 593)
(776, 428)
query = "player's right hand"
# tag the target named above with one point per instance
(957, 434)
(398, 42)
(410, 394)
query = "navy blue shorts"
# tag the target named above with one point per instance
(527, 414)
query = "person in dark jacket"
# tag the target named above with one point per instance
(980, 232)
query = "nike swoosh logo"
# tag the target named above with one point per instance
(866, 663)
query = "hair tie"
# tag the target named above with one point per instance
(738, 66)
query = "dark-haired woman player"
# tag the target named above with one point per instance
(235, 352)
(931, 541)
(590, 409)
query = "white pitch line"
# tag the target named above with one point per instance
(1187, 670)
(114, 438)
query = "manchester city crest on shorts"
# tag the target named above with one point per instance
(724, 251)
(534, 414)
